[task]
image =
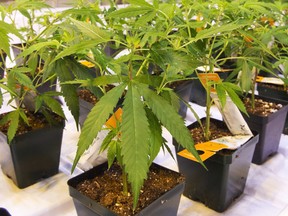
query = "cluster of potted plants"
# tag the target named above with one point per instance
(141, 51)
(264, 52)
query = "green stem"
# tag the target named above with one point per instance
(187, 21)
(222, 51)
(211, 45)
(208, 107)
(3, 66)
(192, 40)
(44, 30)
(125, 183)
(143, 64)
(130, 70)
(253, 89)
(163, 82)
(32, 32)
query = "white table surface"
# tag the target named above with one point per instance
(265, 194)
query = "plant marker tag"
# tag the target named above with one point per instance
(205, 77)
(232, 142)
(232, 117)
(116, 117)
(87, 63)
(208, 148)
(270, 80)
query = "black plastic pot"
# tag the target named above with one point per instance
(84, 108)
(32, 156)
(111, 50)
(274, 72)
(225, 178)
(269, 128)
(166, 205)
(274, 93)
(183, 90)
(17, 49)
(47, 86)
(4, 212)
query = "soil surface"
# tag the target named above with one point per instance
(86, 95)
(217, 129)
(36, 121)
(107, 189)
(262, 107)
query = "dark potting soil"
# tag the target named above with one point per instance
(217, 130)
(86, 95)
(262, 107)
(108, 191)
(36, 121)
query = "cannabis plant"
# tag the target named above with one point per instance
(243, 33)
(46, 34)
(79, 52)
(207, 33)
(261, 44)
(24, 82)
(5, 30)
(146, 34)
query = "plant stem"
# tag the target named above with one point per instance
(187, 21)
(253, 89)
(143, 64)
(3, 66)
(208, 107)
(125, 183)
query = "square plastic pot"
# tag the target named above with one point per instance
(269, 128)
(166, 205)
(274, 93)
(85, 107)
(17, 49)
(4, 212)
(183, 90)
(32, 156)
(224, 181)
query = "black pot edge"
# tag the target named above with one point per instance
(266, 119)
(89, 203)
(4, 212)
